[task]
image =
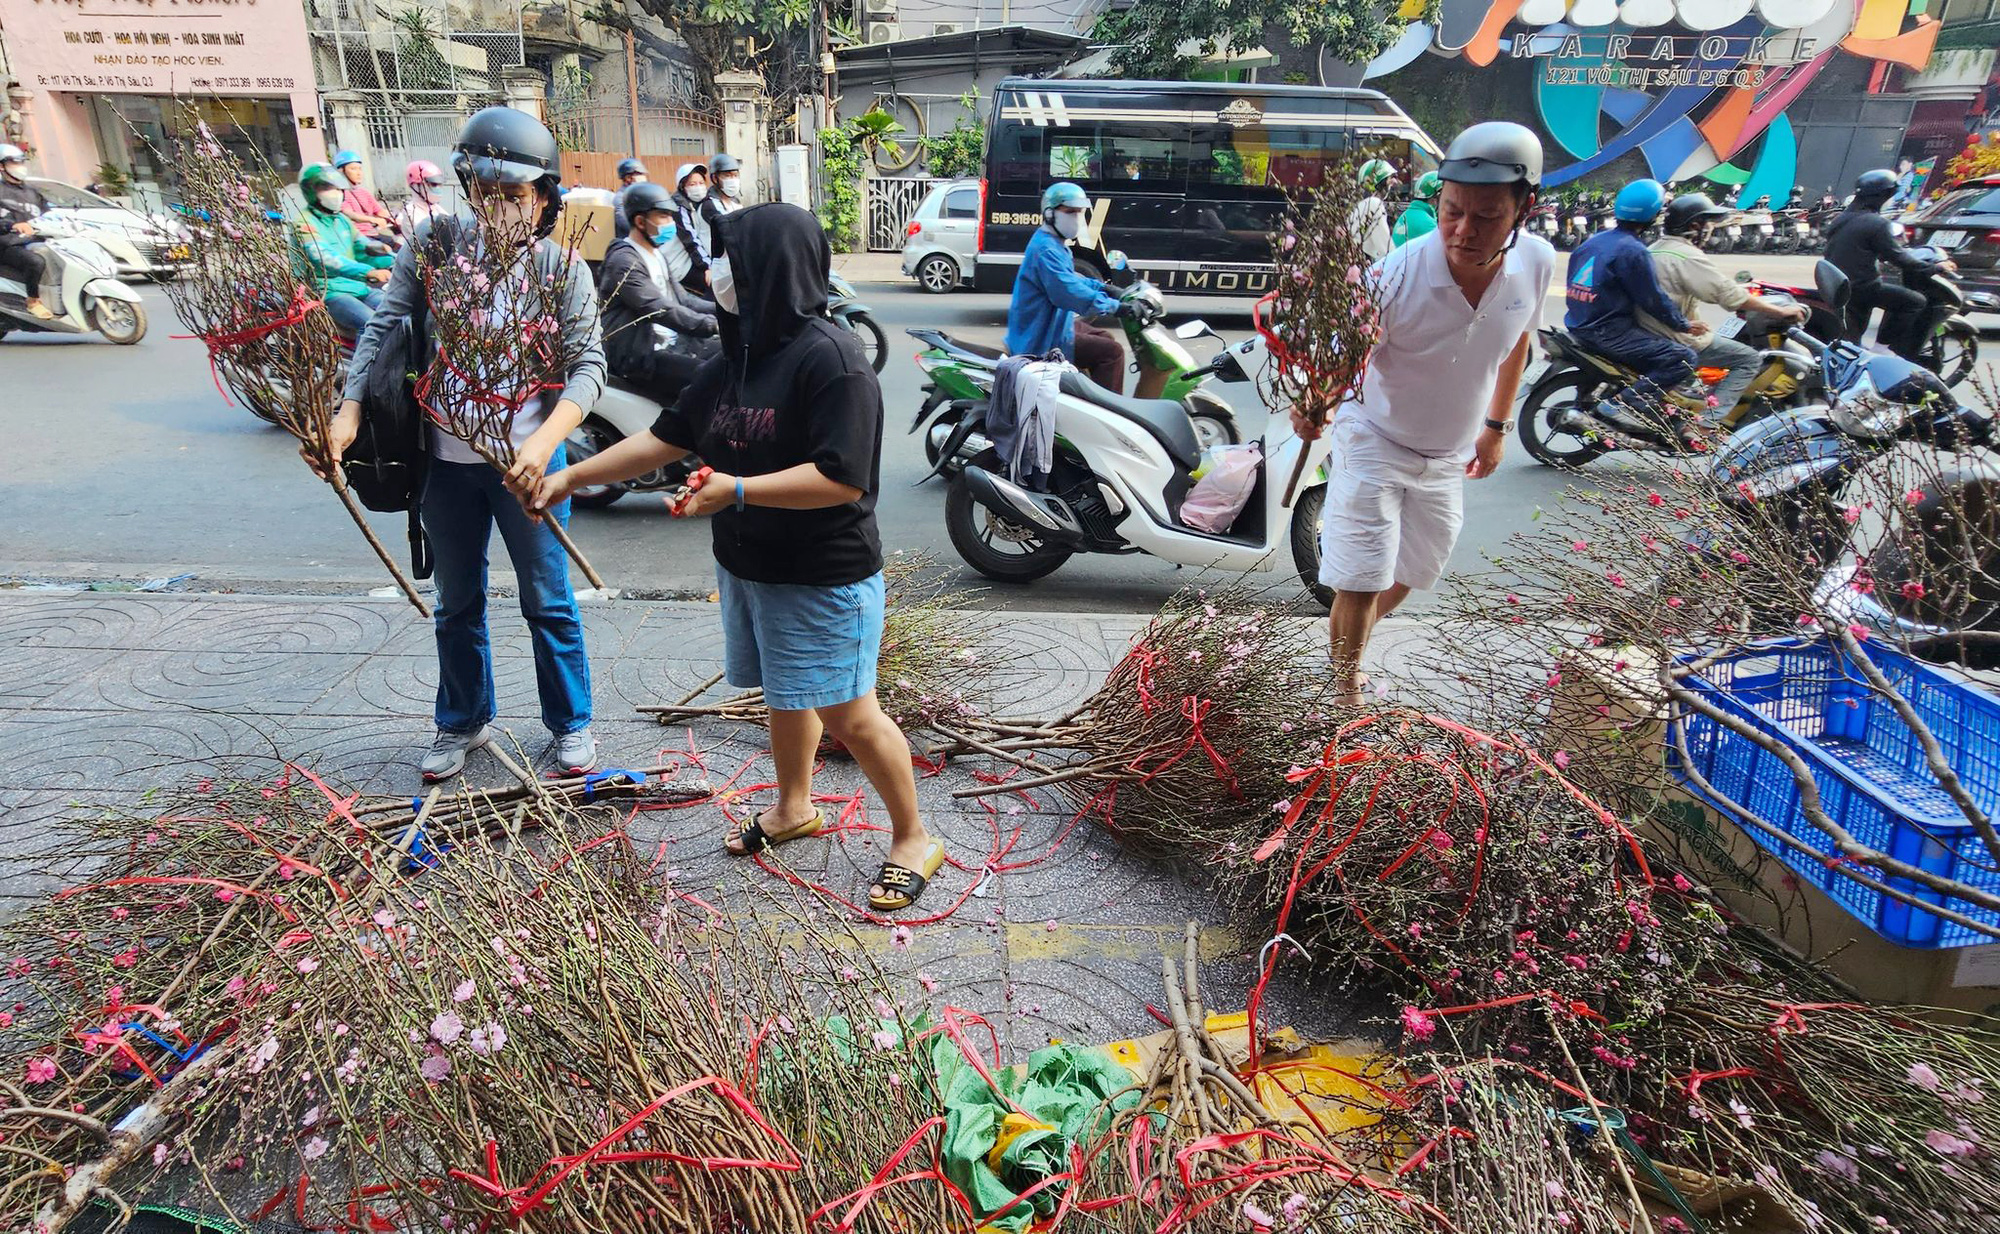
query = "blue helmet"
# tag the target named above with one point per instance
(1062, 195)
(631, 167)
(1640, 202)
(344, 158)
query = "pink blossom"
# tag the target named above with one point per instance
(1354, 275)
(160, 1152)
(1294, 1210)
(1921, 1075)
(1915, 496)
(463, 991)
(384, 918)
(120, 914)
(1439, 840)
(900, 937)
(1675, 601)
(1681, 884)
(929, 983)
(1655, 499)
(314, 1148)
(1562, 759)
(488, 1040)
(1257, 1217)
(1576, 962)
(1840, 1165)
(1580, 545)
(1852, 514)
(447, 1028)
(435, 1067)
(1913, 591)
(126, 958)
(1859, 631)
(1949, 1145)
(224, 894)
(308, 964)
(884, 1038)
(1418, 1024)
(41, 1070)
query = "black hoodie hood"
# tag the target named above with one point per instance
(778, 259)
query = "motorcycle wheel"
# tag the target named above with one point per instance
(587, 441)
(1215, 431)
(1306, 511)
(120, 321)
(874, 343)
(1953, 353)
(1554, 394)
(1002, 551)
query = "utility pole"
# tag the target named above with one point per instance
(632, 87)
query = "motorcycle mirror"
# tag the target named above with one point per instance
(1743, 276)
(1192, 329)
(1116, 259)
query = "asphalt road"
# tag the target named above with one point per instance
(124, 463)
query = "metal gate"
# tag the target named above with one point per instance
(891, 204)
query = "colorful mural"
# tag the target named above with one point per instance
(1692, 85)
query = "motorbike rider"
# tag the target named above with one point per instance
(1459, 312)
(639, 283)
(1610, 282)
(1420, 217)
(335, 256)
(507, 163)
(369, 215)
(426, 201)
(726, 174)
(1690, 278)
(690, 198)
(1857, 241)
(21, 204)
(1050, 297)
(1370, 220)
(630, 172)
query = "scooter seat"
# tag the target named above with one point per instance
(980, 350)
(1165, 419)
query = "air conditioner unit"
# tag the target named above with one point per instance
(881, 10)
(947, 27)
(884, 32)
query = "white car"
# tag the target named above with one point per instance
(943, 237)
(143, 246)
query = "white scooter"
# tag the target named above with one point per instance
(1122, 469)
(80, 286)
(623, 410)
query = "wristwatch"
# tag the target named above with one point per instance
(1499, 426)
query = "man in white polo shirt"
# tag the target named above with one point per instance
(1460, 307)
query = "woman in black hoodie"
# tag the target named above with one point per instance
(790, 418)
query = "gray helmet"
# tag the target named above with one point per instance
(646, 196)
(723, 164)
(12, 153)
(1494, 152)
(630, 167)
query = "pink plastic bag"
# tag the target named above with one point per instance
(1224, 489)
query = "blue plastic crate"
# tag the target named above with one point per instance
(1869, 769)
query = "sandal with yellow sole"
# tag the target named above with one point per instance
(901, 887)
(751, 834)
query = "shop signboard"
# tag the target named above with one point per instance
(165, 47)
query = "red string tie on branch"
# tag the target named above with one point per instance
(221, 342)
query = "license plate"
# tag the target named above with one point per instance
(1947, 239)
(1802, 228)
(1765, 228)
(1579, 221)
(1732, 327)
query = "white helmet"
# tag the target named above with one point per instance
(12, 153)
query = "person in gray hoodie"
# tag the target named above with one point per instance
(507, 163)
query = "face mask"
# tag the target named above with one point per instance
(1068, 225)
(697, 192)
(664, 233)
(329, 199)
(729, 185)
(723, 284)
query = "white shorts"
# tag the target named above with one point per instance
(1392, 515)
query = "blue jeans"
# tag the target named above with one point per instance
(462, 502)
(351, 313)
(1662, 363)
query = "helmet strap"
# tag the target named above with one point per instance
(1514, 237)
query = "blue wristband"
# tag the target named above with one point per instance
(739, 494)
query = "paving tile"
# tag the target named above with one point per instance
(265, 683)
(255, 624)
(87, 619)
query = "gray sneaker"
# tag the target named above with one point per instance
(446, 757)
(576, 752)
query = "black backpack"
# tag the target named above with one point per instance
(391, 454)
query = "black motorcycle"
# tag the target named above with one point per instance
(1950, 346)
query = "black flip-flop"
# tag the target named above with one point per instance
(904, 886)
(755, 839)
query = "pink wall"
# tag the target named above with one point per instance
(61, 49)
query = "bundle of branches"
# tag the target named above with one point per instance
(1323, 318)
(1645, 585)
(930, 674)
(126, 987)
(549, 1036)
(247, 297)
(1194, 733)
(496, 322)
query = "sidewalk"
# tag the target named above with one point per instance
(105, 696)
(870, 267)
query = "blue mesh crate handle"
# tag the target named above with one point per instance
(611, 776)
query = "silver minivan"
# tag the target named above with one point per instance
(943, 236)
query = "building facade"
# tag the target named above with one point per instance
(115, 82)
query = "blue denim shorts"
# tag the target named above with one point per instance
(805, 646)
